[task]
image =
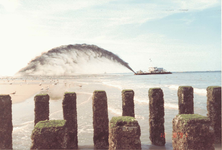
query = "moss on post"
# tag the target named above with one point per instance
(50, 134)
(214, 110)
(185, 100)
(124, 133)
(100, 120)
(156, 116)
(5, 122)
(128, 103)
(192, 131)
(41, 107)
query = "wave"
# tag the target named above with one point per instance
(198, 91)
(118, 112)
(171, 106)
(113, 85)
(141, 101)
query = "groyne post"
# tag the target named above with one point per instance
(124, 133)
(41, 107)
(185, 100)
(100, 120)
(5, 122)
(50, 134)
(192, 131)
(128, 103)
(214, 110)
(70, 115)
(156, 116)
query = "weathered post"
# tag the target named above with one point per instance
(128, 103)
(156, 116)
(192, 131)
(124, 133)
(100, 120)
(70, 115)
(5, 122)
(214, 110)
(50, 134)
(41, 107)
(185, 99)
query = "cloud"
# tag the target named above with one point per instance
(10, 5)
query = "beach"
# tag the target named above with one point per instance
(113, 84)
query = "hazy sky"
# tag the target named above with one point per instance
(178, 35)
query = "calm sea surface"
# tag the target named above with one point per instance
(113, 84)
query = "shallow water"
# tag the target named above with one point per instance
(113, 84)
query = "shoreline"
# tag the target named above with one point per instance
(84, 88)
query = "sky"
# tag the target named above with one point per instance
(178, 35)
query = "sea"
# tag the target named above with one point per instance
(113, 84)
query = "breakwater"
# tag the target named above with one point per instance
(162, 133)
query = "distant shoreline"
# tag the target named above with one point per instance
(196, 71)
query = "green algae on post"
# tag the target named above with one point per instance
(52, 125)
(192, 131)
(192, 117)
(50, 134)
(122, 120)
(124, 133)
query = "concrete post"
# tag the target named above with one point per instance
(156, 116)
(124, 133)
(185, 100)
(5, 122)
(214, 110)
(128, 103)
(41, 107)
(192, 131)
(70, 115)
(100, 120)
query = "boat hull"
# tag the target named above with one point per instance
(152, 73)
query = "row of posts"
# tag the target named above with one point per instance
(124, 132)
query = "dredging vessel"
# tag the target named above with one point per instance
(153, 70)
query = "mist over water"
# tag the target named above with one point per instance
(75, 59)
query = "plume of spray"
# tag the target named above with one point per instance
(70, 60)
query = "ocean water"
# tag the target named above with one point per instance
(113, 84)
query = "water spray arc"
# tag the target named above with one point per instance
(67, 59)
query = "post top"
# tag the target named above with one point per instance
(189, 117)
(213, 87)
(122, 120)
(40, 95)
(154, 90)
(186, 87)
(69, 94)
(49, 124)
(5, 95)
(99, 91)
(127, 90)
